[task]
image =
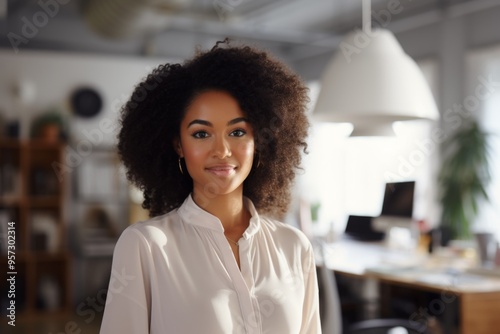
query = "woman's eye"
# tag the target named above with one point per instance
(200, 134)
(238, 133)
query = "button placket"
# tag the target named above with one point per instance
(255, 320)
(242, 282)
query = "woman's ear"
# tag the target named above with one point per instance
(178, 147)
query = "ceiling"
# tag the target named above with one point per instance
(294, 29)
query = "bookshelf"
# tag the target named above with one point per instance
(32, 196)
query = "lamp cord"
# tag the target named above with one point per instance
(367, 16)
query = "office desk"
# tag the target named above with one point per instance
(478, 295)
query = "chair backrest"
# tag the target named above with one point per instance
(331, 314)
(386, 326)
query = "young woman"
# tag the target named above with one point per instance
(214, 144)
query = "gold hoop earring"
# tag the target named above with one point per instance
(180, 166)
(258, 160)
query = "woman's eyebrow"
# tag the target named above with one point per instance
(237, 120)
(200, 121)
(207, 123)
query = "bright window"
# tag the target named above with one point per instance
(483, 76)
(347, 175)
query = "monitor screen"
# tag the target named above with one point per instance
(398, 199)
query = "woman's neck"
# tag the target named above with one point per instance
(229, 208)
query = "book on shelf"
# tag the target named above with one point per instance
(5, 218)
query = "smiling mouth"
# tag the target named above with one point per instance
(222, 171)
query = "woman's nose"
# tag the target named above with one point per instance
(221, 148)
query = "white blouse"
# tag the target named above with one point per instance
(176, 273)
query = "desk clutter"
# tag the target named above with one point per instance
(446, 266)
(450, 284)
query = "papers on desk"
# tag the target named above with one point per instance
(447, 279)
(450, 279)
(492, 272)
(396, 263)
(376, 261)
(461, 282)
(406, 267)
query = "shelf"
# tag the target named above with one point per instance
(48, 256)
(21, 257)
(38, 144)
(29, 316)
(12, 201)
(35, 204)
(9, 143)
(44, 201)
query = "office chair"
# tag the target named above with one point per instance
(331, 315)
(331, 312)
(386, 326)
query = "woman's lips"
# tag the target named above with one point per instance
(222, 171)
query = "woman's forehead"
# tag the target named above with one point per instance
(213, 107)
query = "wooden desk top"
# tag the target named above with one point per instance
(433, 273)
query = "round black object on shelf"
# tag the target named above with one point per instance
(86, 102)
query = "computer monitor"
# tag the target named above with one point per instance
(398, 199)
(360, 228)
(397, 206)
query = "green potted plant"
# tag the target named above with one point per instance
(463, 179)
(49, 126)
(315, 211)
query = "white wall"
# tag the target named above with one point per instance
(52, 77)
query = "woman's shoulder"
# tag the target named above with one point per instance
(151, 230)
(285, 232)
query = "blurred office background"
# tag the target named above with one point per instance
(66, 68)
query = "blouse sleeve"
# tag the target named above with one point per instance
(127, 308)
(310, 313)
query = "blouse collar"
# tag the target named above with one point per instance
(191, 213)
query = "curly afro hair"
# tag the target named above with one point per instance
(273, 99)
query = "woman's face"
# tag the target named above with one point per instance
(217, 143)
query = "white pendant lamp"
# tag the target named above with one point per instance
(371, 82)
